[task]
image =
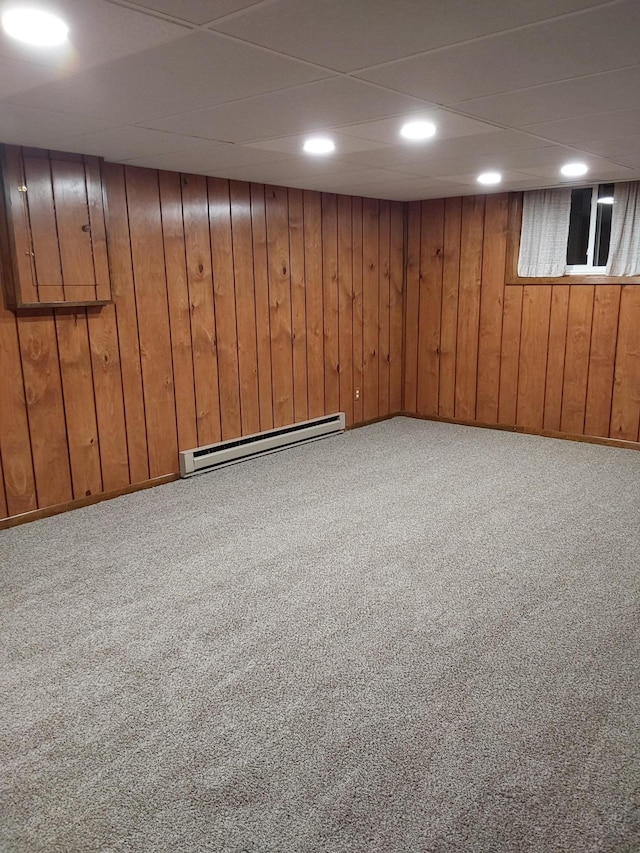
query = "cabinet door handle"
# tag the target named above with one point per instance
(86, 228)
(31, 254)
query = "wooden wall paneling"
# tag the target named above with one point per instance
(72, 216)
(396, 305)
(345, 306)
(97, 203)
(510, 355)
(276, 200)
(431, 257)
(298, 306)
(3, 498)
(179, 308)
(536, 309)
(42, 218)
(45, 406)
(384, 307)
(472, 232)
(149, 276)
(556, 356)
(370, 305)
(604, 338)
(15, 441)
(240, 195)
(491, 307)
(625, 409)
(358, 319)
(449, 316)
(412, 267)
(263, 319)
(79, 402)
(203, 322)
(576, 366)
(15, 230)
(312, 204)
(330, 301)
(126, 323)
(225, 307)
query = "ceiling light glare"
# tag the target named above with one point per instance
(319, 145)
(574, 170)
(34, 26)
(417, 130)
(489, 178)
(606, 199)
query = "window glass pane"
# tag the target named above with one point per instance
(578, 242)
(603, 226)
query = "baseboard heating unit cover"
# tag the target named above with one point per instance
(223, 453)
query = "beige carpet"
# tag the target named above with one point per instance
(413, 637)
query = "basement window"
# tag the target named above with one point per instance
(589, 229)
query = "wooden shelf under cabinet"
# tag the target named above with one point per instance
(53, 235)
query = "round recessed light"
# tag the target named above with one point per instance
(606, 199)
(418, 130)
(574, 170)
(319, 145)
(489, 178)
(34, 26)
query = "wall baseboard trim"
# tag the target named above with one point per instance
(45, 512)
(545, 433)
(374, 421)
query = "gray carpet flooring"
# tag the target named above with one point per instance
(412, 637)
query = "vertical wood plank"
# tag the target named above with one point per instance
(449, 320)
(298, 305)
(127, 323)
(4, 512)
(472, 232)
(576, 367)
(358, 318)
(412, 265)
(72, 217)
(431, 256)
(555, 356)
(315, 323)
(491, 306)
(625, 410)
(384, 305)
(225, 307)
(396, 297)
(536, 308)
(203, 323)
(345, 306)
(44, 234)
(604, 335)
(510, 355)
(18, 236)
(370, 304)
(330, 301)
(263, 330)
(97, 203)
(280, 304)
(245, 306)
(179, 308)
(147, 253)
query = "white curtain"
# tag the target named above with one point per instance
(624, 249)
(545, 231)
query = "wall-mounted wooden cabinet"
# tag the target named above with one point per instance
(53, 240)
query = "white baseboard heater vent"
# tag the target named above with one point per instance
(249, 446)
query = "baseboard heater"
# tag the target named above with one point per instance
(224, 453)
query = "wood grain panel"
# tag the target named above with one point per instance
(370, 306)
(261, 289)
(72, 215)
(358, 317)
(298, 305)
(396, 305)
(3, 498)
(449, 307)
(534, 338)
(556, 356)
(42, 218)
(625, 411)
(312, 204)
(384, 305)
(510, 355)
(330, 301)
(430, 305)
(345, 307)
(412, 276)
(576, 366)
(604, 339)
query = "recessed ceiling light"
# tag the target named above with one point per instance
(319, 145)
(489, 178)
(574, 170)
(606, 199)
(34, 26)
(418, 130)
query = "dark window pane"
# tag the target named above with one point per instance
(603, 226)
(578, 243)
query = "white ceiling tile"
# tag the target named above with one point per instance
(196, 11)
(99, 32)
(614, 149)
(448, 125)
(471, 179)
(18, 76)
(195, 71)
(293, 145)
(573, 131)
(128, 143)
(584, 96)
(599, 170)
(293, 170)
(208, 160)
(593, 41)
(357, 34)
(41, 128)
(315, 106)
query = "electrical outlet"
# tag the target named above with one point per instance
(357, 393)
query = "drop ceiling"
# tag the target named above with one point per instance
(232, 87)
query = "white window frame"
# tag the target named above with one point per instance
(589, 268)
